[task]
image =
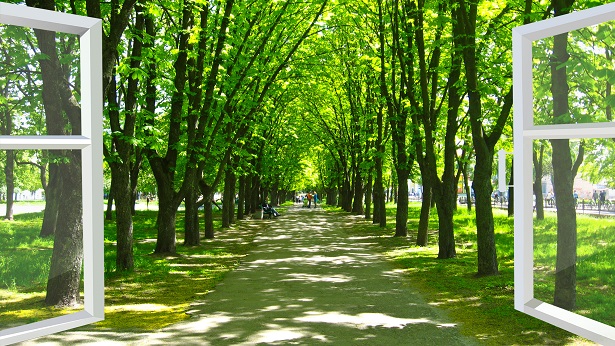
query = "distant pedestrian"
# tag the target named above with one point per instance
(602, 197)
(147, 202)
(309, 198)
(315, 196)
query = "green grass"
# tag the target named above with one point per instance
(24, 267)
(158, 293)
(595, 272)
(484, 307)
(24, 256)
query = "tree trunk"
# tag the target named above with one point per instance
(395, 193)
(208, 216)
(487, 257)
(167, 210)
(378, 192)
(256, 198)
(248, 194)
(52, 103)
(241, 197)
(346, 195)
(9, 167)
(388, 192)
(123, 174)
(164, 168)
(208, 195)
(52, 201)
(401, 217)
(379, 197)
(65, 270)
(537, 186)
(566, 261)
(109, 211)
(357, 205)
(466, 185)
(331, 196)
(233, 189)
(446, 235)
(192, 235)
(446, 188)
(563, 177)
(135, 169)
(228, 197)
(368, 195)
(422, 234)
(483, 142)
(123, 214)
(275, 195)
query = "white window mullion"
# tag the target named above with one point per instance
(44, 142)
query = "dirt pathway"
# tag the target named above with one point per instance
(307, 283)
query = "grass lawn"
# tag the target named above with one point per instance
(158, 293)
(483, 306)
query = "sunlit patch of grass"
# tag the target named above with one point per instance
(141, 319)
(595, 272)
(19, 308)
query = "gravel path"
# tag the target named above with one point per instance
(306, 283)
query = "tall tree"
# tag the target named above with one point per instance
(426, 110)
(164, 164)
(484, 140)
(564, 172)
(120, 153)
(395, 95)
(65, 270)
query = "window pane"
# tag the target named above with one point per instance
(22, 110)
(40, 184)
(574, 243)
(589, 74)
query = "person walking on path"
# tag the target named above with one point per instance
(309, 197)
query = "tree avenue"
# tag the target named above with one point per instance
(262, 101)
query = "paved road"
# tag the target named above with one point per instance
(20, 208)
(306, 283)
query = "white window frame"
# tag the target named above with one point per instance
(90, 144)
(525, 132)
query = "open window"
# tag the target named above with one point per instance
(533, 59)
(88, 144)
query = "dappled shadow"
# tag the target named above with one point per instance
(305, 282)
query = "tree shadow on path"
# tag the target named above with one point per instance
(306, 282)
